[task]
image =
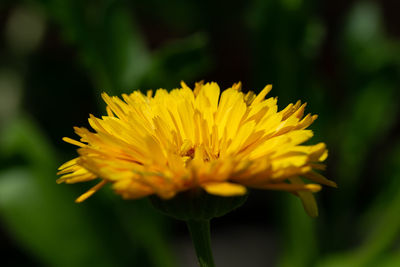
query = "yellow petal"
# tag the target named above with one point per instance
(73, 142)
(290, 187)
(68, 164)
(90, 192)
(225, 189)
(318, 178)
(260, 97)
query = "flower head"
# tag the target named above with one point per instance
(175, 141)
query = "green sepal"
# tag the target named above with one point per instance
(196, 204)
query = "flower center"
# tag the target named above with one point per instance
(189, 153)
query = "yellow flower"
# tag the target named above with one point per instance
(175, 141)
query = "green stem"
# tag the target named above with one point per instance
(200, 232)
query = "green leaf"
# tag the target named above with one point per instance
(389, 260)
(44, 219)
(180, 59)
(371, 115)
(110, 45)
(58, 233)
(365, 35)
(299, 242)
(383, 223)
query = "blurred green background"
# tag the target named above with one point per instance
(342, 57)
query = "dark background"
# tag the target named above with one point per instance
(342, 57)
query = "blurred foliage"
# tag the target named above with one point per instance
(56, 56)
(56, 225)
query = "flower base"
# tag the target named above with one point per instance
(197, 205)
